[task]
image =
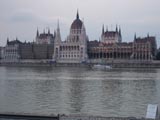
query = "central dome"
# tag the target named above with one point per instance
(77, 23)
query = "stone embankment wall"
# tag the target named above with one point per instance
(113, 63)
(128, 63)
(80, 117)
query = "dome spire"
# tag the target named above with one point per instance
(77, 15)
(77, 23)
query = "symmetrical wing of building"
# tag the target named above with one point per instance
(77, 48)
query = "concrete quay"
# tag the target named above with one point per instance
(62, 117)
(128, 63)
(90, 63)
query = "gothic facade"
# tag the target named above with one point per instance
(74, 48)
(144, 48)
(140, 49)
(44, 38)
(110, 37)
(11, 51)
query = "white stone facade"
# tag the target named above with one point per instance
(11, 53)
(74, 48)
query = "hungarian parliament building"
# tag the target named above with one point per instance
(77, 48)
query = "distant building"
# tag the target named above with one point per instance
(26, 51)
(144, 48)
(11, 51)
(74, 48)
(92, 47)
(77, 48)
(36, 51)
(139, 49)
(110, 51)
(14, 51)
(1, 52)
(110, 37)
(40, 51)
(50, 51)
(45, 38)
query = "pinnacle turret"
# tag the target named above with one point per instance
(119, 31)
(135, 36)
(106, 28)
(116, 28)
(37, 32)
(58, 34)
(102, 29)
(48, 31)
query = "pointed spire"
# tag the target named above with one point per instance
(120, 31)
(120, 35)
(77, 15)
(48, 31)
(44, 31)
(103, 29)
(148, 35)
(106, 28)
(58, 34)
(7, 40)
(135, 37)
(37, 32)
(116, 28)
(58, 25)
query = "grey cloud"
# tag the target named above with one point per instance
(139, 16)
(23, 17)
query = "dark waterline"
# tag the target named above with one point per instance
(47, 90)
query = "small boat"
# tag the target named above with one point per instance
(101, 67)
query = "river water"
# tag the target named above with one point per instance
(69, 90)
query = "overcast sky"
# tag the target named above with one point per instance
(20, 18)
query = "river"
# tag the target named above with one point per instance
(69, 90)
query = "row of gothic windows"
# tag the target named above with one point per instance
(70, 56)
(69, 48)
(76, 31)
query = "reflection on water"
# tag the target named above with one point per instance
(47, 90)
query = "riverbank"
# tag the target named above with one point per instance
(63, 117)
(133, 64)
(112, 63)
